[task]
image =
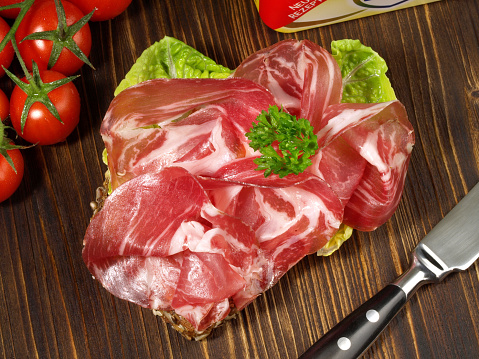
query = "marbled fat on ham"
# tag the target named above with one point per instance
(303, 77)
(383, 138)
(364, 148)
(198, 124)
(161, 243)
(192, 227)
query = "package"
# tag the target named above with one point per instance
(297, 15)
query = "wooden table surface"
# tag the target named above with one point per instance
(50, 307)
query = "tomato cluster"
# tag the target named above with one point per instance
(52, 41)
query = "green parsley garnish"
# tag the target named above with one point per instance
(294, 139)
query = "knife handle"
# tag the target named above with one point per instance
(355, 333)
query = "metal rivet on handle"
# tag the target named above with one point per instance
(372, 315)
(344, 343)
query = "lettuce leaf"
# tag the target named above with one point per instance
(364, 81)
(171, 58)
(363, 72)
(343, 233)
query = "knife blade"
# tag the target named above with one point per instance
(452, 245)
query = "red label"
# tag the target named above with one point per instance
(279, 13)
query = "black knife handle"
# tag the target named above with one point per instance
(355, 333)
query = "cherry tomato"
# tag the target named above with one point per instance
(42, 16)
(105, 9)
(12, 13)
(6, 56)
(9, 180)
(41, 126)
(4, 106)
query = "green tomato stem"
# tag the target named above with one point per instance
(24, 7)
(22, 64)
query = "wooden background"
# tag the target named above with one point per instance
(50, 307)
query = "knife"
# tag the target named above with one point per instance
(451, 246)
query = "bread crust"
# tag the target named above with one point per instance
(185, 328)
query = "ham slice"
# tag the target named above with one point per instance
(302, 76)
(185, 122)
(383, 137)
(364, 148)
(291, 216)
(160, 242)
(191, 227)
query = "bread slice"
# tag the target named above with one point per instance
(185, 328)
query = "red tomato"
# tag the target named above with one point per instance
(4, 106)
(105, 9)
(9, 180)
(42, 16)
(12, 13)
(41, 126)
(6, 56)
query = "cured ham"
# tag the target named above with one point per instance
(161, 243)
(291, 217)
(187, 122)
(191, 227)
(289, 70)
(383, 138)
(364, 148)
(163, 249)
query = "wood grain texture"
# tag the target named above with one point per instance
(50, 307)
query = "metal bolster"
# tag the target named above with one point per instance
(425, 268)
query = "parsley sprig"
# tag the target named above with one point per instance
(294, 139)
